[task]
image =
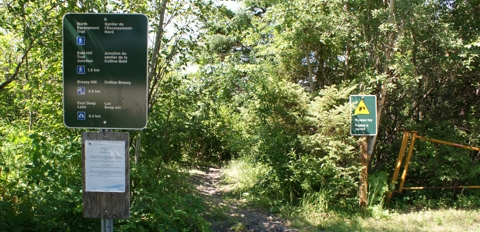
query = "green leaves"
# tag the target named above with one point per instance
(269, 82)
(38, 174)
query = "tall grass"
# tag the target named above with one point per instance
(242, 176)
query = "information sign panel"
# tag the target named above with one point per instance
(364, 115)
(105, 71)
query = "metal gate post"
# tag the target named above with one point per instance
(407, 162)
(406, 136)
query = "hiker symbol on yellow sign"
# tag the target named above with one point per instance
(361, 108)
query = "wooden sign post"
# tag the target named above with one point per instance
(363, 123)
(106, 176)
(363, 184)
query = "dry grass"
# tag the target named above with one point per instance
(430, 220)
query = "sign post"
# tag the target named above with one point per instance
(363, 123)
(105, 87)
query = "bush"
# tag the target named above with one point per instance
(41, 190)
(41, 184)
(302, 145)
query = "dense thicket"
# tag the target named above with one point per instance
(268, 82)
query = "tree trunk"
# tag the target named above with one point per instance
(138, 144)
(347, 47)
(363, 184)
(391, 36)
(310, 74)
(153, 78)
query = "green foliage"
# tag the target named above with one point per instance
(43, 191)
(377, 188)
(371, 46)
(329, 162)
(40, 159)
(300, 152)
(238, 227)
(41, 182)
(189, 122)
(269, 84)
(164, 202)
(377, 191)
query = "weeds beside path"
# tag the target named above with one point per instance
(229, 214)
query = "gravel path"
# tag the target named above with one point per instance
(231, 215)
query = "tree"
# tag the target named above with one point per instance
(40, 158)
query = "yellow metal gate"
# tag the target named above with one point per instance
(412, 136)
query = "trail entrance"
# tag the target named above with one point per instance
(226, 214)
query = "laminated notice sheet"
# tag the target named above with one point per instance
(104, 166)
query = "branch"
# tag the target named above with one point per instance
(160, 73)
(156, 50)
(14, 76)
(160, 67)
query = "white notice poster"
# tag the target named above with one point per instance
(104, 166)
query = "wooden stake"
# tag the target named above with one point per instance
(363, 184)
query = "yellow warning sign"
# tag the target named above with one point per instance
(361, 108)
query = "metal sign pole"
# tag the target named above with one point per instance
(107, 225)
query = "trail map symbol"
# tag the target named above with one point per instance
(361, 108)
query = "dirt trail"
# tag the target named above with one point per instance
(230, 215)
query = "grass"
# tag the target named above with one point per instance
(314, 214)
(429, 220)
(238, 227)
(241, 176)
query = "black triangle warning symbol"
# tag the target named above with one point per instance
(361, 108)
